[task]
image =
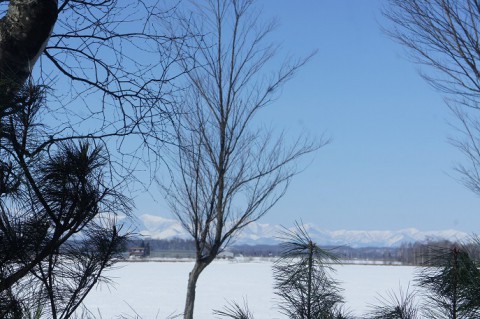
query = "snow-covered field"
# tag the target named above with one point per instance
(157, 289)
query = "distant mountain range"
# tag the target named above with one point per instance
(157, 227)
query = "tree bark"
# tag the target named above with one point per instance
(24, 33)
(191, 287)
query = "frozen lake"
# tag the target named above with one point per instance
(157, 289)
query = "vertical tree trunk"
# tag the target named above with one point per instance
(191, 287)
(24, 33)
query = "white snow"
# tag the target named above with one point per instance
(157, 289)
(158, 227)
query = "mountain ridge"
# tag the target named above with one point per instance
(158, 227)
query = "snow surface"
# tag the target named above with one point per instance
(157, 289)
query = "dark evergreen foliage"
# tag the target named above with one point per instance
(57, 208)
(451, 279)
(235, 311)
(401, 306)
(303, 281)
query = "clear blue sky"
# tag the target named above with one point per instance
(389, 165)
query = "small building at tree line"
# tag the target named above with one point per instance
(137, 252)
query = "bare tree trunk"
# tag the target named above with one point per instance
(226, 175)
(191, 287)
(24, 33)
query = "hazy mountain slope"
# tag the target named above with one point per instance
(158, 227)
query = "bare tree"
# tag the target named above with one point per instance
(109, 65)
(115, 52)
(227, 172)
(444, 36)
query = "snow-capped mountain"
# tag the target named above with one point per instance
(157, 227)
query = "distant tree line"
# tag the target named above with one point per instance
(414, 254)
(163, 244)
(418, 253)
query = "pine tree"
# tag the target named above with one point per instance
(451, 280)
(303, 281)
